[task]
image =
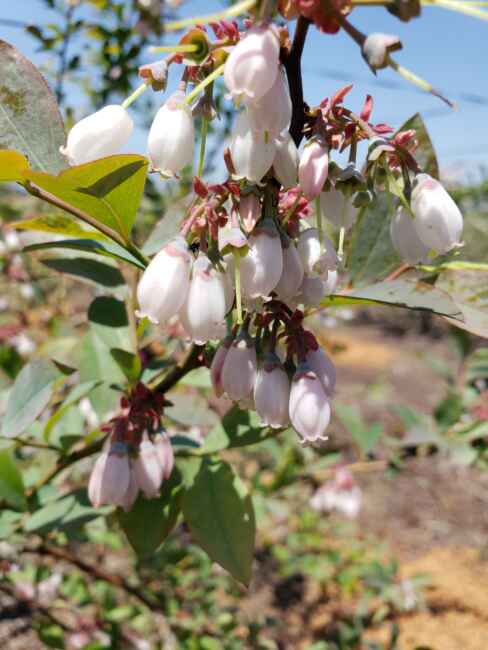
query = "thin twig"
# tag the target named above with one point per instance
(189, 363)
(293, 69)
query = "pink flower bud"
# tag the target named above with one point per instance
(261, 268)
(309, 406)
(311, 291)
(316, 258)
(110, 477)
(292, 274)
(148, 469)
(321, 364)
(164, 451)
(171, 138)
(405, 239)
(313, 168)
(286, 160)
(217, 366)
(338, 209)
(438, 221)
(130, 496)
(252, 66)
(164, 284)
(239, 369)
(377, 47)
(272, 394)
(203, 312)
(272, 113)
(251, 151)
(101, 134)
(249, 211)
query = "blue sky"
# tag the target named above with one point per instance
(448, 49)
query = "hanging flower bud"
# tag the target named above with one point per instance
(313, 168)
(338, 209)
(203, 312)
(249, 211)
(321, 364)
(262, 267)
(377, 48)
(132, 491)
(405, 239)
(239, 369)
(164, 284)
(309, 406)
(164, 451)
(272, 113)
(438, 221)
(311, 291)
(148, 469)
(252, 153)
(218, 364)
(252, 65)
(316, 258)
(101, 134)
(272, 393)
(110, 477)
(285, 163)
(292, 274)
(172, 136)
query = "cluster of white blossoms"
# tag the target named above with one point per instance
(247, 261)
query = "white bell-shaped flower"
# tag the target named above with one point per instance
(164, 285)
(262, 267)
(164, 451)
(321, 364)
(292, 274)
(272, 113)
(110, 477)
(338, 209)
(101, 134)
(252, 66)
(203, 312)
(252, 152)
(316, 258)
(171, 139)
(313, 168)
(311, 290)
(285, 163)
(309, 407)
(132, 491)
(239, 369)
(272, 394)
(438, 221)
(148, 469)
(405, 239)
(218, 364)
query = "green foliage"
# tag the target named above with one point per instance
(11, 484)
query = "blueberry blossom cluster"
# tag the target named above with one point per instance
(255, 251)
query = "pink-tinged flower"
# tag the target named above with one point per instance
(164, 451)
(317, 258)
(203, 312)
(249, 211)
(132, 491)
(164, 285)
(252, 66)
(110, 477)
(309, 406)
(405, 239)
(340, 494)
(239, 369)
(272, 113)
(438, 221)
(272, 394)
(171, 139)
(101, 134)
(261, 268)
(377, 47)
(292, 274)
(251, 151)
(313, 168)
(338, 209)
(286, 160)
(231, 237)
(218, 364)
(148, 469)
(321, 364)
(312, 290)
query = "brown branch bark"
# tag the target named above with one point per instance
(293, 67)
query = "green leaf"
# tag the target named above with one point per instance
(129, 363)
(11, 484)
(9, 522)
(104, 248)
(67, 513)
(30, 394)
(190, 410)
(469, 290)
(236, 429)
(78, 392)
(30, 121)
(150, 521)
(166, 228)
(109, 189)
(12, 164)
(219, 512)
(424, 154)
(365, 436)
(403, 293)
(58, 224)
(85, 268)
